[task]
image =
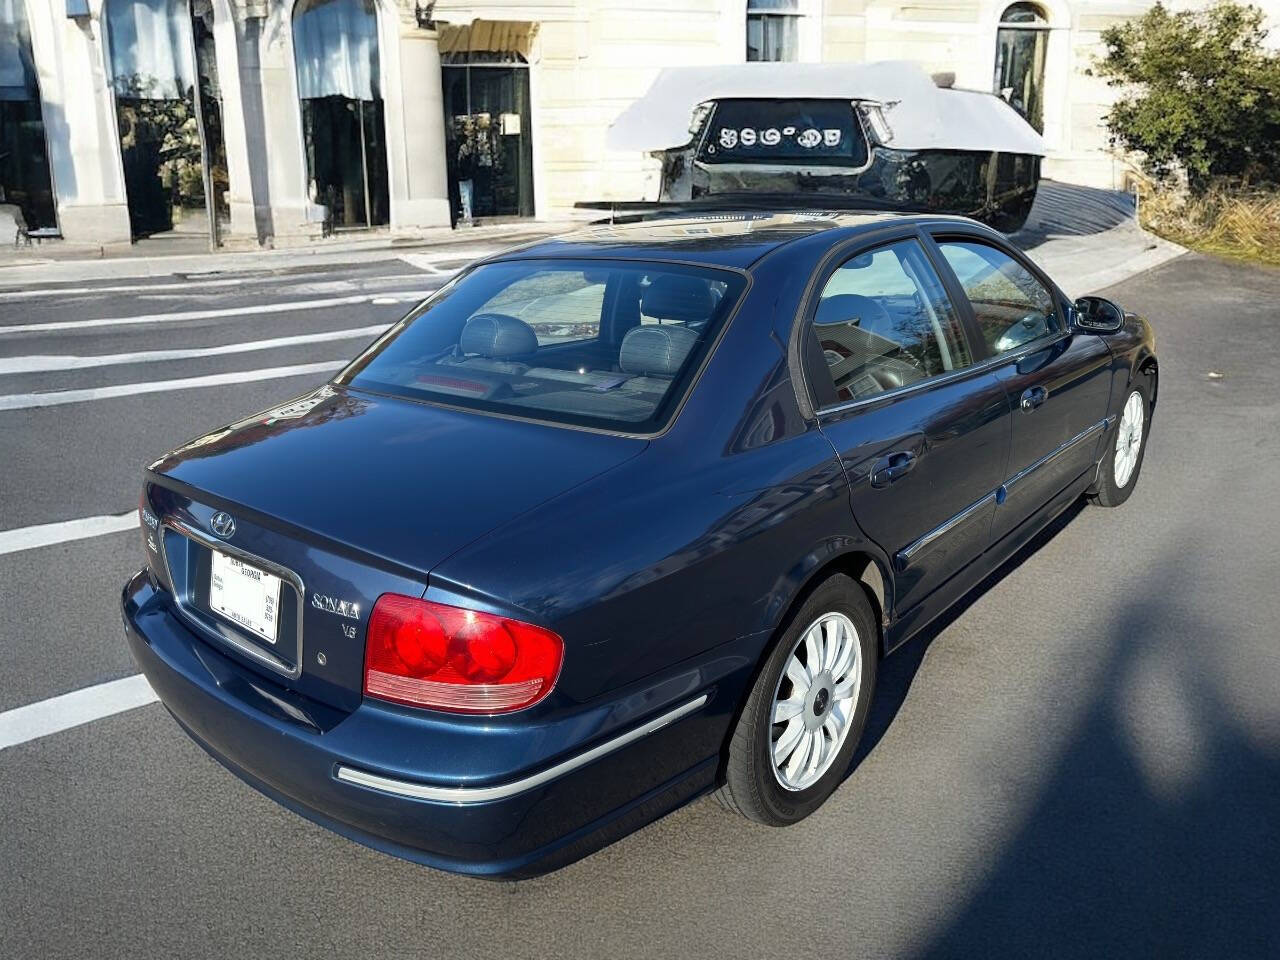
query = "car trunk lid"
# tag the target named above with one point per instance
(333, 500)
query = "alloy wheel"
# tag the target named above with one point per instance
(814, 702)
(1129, 439)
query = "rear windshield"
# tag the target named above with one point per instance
(795, 132)
(600, 343)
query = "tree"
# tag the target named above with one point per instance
(1201, 92)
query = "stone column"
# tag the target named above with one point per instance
(80, 125)
(227, 34)
(415, 130)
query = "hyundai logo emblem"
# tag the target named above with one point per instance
(223, 524)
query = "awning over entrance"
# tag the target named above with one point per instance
(488, 36)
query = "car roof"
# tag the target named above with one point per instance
(724, 238)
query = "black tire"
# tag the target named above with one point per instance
(1108, 492)
(751, 787)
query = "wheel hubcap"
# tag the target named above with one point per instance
(1128, 439)
(814, 702)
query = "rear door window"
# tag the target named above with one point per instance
(790, 132)
(610, 343)
(883, 321)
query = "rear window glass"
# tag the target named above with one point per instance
(609, 344)
(797, 132)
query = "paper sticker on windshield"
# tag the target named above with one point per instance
(781, 131)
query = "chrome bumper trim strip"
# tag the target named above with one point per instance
(423, 791)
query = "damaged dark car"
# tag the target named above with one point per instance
(881, 135)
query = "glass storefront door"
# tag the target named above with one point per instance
(168, 114)
(24, 158)
(335, 45)
(488, 139)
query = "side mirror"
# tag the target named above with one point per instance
(1097, 315)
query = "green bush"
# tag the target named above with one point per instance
(1200, 93)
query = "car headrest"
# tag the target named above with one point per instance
(673, 296)
(656, 350)
(498, 336)
(855, 309)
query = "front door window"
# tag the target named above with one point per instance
(1011, 306)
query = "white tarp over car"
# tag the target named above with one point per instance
(921, 115)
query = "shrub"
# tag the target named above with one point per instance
(1226, 220)
(1201, 93)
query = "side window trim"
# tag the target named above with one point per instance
(940, 235)
(837, 257)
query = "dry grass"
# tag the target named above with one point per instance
(1242, 223)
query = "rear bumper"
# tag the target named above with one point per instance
(555, 809)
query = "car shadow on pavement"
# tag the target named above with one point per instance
(1157, 831)
(896, 672)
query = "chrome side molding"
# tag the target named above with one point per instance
(999, 495)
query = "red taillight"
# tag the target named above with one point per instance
(431, 655)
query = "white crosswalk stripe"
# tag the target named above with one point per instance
(43, 364)
(53, 398)
(251, 309)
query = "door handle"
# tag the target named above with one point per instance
(1032, 397)
(890, 468)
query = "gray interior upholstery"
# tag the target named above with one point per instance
(656, 350)
(497, 336)
(674, 296)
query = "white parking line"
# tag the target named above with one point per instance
(47, 534)
(74, 709)
(253, 309)
(25, 401)
(42, 364)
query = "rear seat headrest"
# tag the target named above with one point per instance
(656, 350)
(674, 296)
(498, 336)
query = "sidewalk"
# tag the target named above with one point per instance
(56, 262)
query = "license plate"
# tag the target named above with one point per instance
(245, 595)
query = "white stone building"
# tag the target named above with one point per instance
(321, 115)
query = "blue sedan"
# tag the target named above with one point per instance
(622, 518)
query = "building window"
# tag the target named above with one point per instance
(773, 30)
(24, 160)
(1022, 42)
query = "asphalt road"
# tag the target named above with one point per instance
(1085, 761)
